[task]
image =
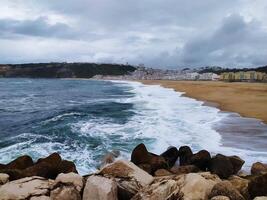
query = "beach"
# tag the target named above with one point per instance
(247, 99)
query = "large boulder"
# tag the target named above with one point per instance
(66, 166)
(162, 172)
(170, 155)
(197, 186)
(21, 162)
(4, 178)
(185, 154)
(100, 188)
(25, 188)
(258, 186)
(43, 197)
(225, 188)
(66, 193)
(72, 179)
(237, 163)
(201, 159)
(184, 169)
(221, 165)
(45, 167)
(125, 169)
(258, 168)
(240, 184)
(160, 189)
(141, 156)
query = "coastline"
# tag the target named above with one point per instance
(246, 99)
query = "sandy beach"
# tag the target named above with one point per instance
(247, 99)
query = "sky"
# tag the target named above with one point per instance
(156, 33)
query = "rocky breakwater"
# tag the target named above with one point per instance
(176, 174)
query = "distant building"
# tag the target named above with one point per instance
(248, 76)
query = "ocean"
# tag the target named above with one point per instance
(85, 119)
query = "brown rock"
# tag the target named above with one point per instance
(146, 167)
(240, 184)
(258, 168)
(184, 169)
(66, 166)
(140, 155)
(225, 188)
(21, 162)
(237, 163)
(258, 186)
(162, 172)
(170, 155)
(222, 166)
(220, 198)
(4, 178)
(66, 193)
(201, 159)
(185, 154)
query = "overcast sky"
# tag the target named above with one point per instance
(157, 33)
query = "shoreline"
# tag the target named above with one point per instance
(218, 95)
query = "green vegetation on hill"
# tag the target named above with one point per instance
(63, 70)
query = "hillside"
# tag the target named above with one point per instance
(63, 70)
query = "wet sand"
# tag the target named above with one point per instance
(247, 99)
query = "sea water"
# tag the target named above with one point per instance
(84, 119)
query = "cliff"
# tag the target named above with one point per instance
(63, 70)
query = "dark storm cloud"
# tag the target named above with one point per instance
(37, 27)
(158, 33)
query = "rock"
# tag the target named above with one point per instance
(66, 166)
(197, 186)
(162, 172)
(4, 178)
(14, 174)
(225, 188)
(170, 155)
(240, 184)
(70, 179)
(237, 163)
(66, 193)
(140, 155)
(185, 154)
(25, 188)
(21, 162)
(109, 158)
(221, 165)
(260, 198)
(100, 188)
(128, 170)
(45, 167)
(184, 169)
(162, 189)
(258, 186)
(258, 168)
(201, 159)
(146, 167)
(220, 198)
(40, 198)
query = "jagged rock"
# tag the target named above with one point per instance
(170, 155)
(201, 159)
(220, 198)
(240, 184)
(4, 178)
(66, 166)
(21, 162)
(45, 167)
(197, 186)
(162, 172)
(258, 186)
(225, 188)
(140, 155)
(184, 169)
(100, 188)
(70, 179)
(237, 163)
(25, 188)
(258, 168)
(40, 198)
(260, 198)
(185, 154)
(66, 193)
(125, 169)
(221, 165)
